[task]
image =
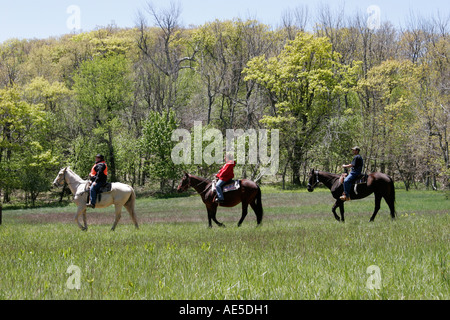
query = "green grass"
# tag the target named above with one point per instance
(300, 251)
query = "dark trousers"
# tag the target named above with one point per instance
(94, 191)
(348, 181)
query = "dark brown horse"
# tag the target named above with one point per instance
(249, 193)
(378, 183)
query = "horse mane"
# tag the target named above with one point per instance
(75, 175)
(201, 180)
(330, 178)
(332, 175)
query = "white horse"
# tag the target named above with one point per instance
(120, 195)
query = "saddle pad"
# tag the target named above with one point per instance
(234, 185)
(106, 188)
(230, 186)
(361, 179)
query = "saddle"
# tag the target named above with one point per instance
(227, 187)
(362, 178)
(106, 188)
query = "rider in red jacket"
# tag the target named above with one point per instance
(224, 175)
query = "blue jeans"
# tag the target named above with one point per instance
(219, 191)
(348, 181)
(94, 191)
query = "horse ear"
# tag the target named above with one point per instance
(312, 170)
(185, 173)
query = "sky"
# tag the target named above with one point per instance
(47, 18)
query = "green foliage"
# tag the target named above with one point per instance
(156, 145)
(26, 156)
(104, 90)
(103, 86)
(304, 80)
(66, 99)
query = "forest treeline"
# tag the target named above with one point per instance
(122, 92)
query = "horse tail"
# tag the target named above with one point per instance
(259, 208)
(130, 204)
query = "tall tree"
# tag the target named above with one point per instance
(304, 80)
(104, 90)
(164, 55)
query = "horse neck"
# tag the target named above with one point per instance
(73, 180)
(199, 184)
(328, 179)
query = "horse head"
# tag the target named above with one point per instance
(313, 180)
(185, 183)
(60, 178)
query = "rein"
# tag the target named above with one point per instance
(71, 183)
(316, 175)
(204, 191)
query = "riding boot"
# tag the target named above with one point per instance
(344, 198)
(90, 205)
(217, 200)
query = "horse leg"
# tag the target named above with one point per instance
(336, 204)
(85, 220)
(209, 217)
(213, 217)
(80, 211)
(341, 209)
(391, 205)
(118, 215)
(244, 213)
(377, 206)
(132, 212)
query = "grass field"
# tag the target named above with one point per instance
(299, 252)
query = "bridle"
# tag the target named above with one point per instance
(63, 178)
(316, 176)
(188, 185)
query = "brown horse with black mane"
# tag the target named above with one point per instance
(378, 183)
(249, 193)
